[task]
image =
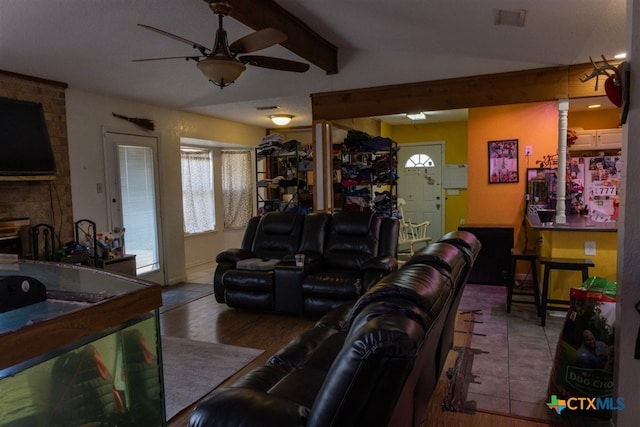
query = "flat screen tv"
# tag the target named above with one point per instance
(25, 147)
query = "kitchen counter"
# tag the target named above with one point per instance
(580, 237)
(574, 223)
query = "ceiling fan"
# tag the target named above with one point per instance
(224, 63)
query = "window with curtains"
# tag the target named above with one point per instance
(197, 189)
(237, 187)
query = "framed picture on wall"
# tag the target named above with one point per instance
(503, 161)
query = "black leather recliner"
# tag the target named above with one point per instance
(345, 254)
(470, 247)
(453, 255)
(288, 276)
(275, 235)
(360, 249)
(372, 362)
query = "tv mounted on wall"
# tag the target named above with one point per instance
(25, 147)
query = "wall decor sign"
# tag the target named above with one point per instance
(503, 161)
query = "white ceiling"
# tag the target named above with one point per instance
(90, 45)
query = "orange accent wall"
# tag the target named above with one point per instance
(533, 124)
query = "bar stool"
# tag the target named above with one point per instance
(531, 257)
(571, 264)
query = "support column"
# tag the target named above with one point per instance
(322, 157)
(561, 195)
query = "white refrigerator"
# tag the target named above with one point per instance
(602, 177)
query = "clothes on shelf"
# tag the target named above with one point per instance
(368, 172)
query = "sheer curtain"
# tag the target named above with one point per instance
(236, 188)
(197, 190)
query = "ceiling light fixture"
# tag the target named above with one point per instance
(416, 116)
(281, 119)
(221, 71)
(220, 66)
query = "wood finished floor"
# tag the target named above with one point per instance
(206, 320)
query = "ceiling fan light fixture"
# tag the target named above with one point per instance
(221, 71)
(281, 119)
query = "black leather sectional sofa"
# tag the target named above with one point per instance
(345, 254)
(374, 362)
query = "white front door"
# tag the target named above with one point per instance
(420, 169)
(132, 187)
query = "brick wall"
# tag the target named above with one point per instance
(41, 201)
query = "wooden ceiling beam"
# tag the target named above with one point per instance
(301, 39)
(544, 84)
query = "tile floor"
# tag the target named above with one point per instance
(512, 372)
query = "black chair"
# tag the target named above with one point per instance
(46, 234)
(273, 236)
(580, 265)
(531, 257)
(359, 250)
(85, 235)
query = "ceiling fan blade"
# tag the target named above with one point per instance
(201, 48)
(259, 40)
(195, 58)
(274, 63)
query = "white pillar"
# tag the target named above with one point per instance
(561, 194)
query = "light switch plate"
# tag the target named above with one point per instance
(589, 248)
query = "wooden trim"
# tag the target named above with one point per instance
(303, 128)
(42, 337)
(28, 177)
(544, 84)
(301, 39)
(34, 79)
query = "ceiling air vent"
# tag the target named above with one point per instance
(514, 18)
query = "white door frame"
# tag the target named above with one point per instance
(112, 191)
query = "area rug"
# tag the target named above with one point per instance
(184, 293)
(194, 368)
(460, 375)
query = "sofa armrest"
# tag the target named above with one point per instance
(375, 269)
(288, 288)
(288, 282)
(234, 255)
(384, 264)
(246, 407)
